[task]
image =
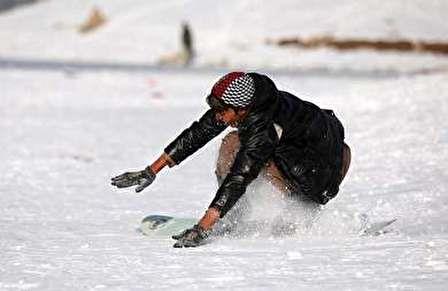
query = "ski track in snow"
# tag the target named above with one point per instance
(62, 227)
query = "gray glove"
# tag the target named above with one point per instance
(191, 237)
(141, 178)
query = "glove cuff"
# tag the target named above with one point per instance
(149, 173)
(202, 233)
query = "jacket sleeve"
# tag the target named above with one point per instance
(257, 146)
(193, 138)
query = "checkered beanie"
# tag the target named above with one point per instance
(235, 89)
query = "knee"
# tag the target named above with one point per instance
(227, 153)
(231, 140)
(346, 160)
(230, 145)
(273, 175)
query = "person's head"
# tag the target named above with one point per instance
(231, 97)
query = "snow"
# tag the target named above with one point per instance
(232, 33)
(64, 133)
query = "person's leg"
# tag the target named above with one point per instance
(346, 159)
(227, 154)
(273, 175)
(298, 202)
(333, 188)
(299, 213)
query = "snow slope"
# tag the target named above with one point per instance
(64, 133)
(64, 227)
(232, 33)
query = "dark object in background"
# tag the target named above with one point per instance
(9, 4)
(187, 43)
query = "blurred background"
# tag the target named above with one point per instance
(296, 35)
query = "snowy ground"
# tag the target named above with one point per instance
(64, 227)
(69, 122)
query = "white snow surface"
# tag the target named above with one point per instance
(64, 133)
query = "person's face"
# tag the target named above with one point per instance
(230, 116)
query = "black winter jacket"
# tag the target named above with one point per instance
(304, 141)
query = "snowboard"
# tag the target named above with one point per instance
(164, 225)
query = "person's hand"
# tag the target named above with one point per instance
(191, 237)
(141, 178)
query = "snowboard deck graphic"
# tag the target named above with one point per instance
(165, 225)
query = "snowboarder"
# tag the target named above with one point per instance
(296, 145)
(187, 43)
